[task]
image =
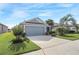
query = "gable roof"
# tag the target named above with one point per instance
(36, 20)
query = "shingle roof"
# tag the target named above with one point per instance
(3, 25)
(35, 20)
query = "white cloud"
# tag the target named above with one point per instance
(65, 5)
(10, 25)
(3, 5)
(18, 13)
(37, 5)
(18, 16)
(75, 11)
(46, 14)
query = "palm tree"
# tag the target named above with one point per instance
(50, 22)
(64, 22)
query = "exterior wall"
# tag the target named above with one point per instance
(3, 28)
(0, 28)
(72, 28)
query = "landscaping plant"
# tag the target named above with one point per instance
(18, 42)
(19, 34)
(50, 22)
(52, 32)
(60, 31)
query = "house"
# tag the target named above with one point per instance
(70, 25)
(55, 25)
(71, 28)
(35, 26)
(3, 28)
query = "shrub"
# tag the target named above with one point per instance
(19, 34)
(71, 31)
(16, 41)
(17, 30)
(60, 31)
(52, 32)
(23, 34)
(17, 47)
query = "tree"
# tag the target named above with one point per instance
(68, 21)
(18, 42)
(19, 34)
(50, 22)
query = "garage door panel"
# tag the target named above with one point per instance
(34, 30)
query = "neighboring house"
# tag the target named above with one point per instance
(35, 26)
(72, 28)
(3, 28)
(55, 25)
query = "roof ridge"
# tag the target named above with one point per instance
(3, 24)
(36, 19)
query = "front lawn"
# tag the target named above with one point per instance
(70, 36)
(5, 45)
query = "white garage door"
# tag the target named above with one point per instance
(34, 30)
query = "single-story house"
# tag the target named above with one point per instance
(35, 26)
(55, 25)
(3, 28)
(71, 28)
(70, 25)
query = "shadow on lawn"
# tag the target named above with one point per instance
(17, 47)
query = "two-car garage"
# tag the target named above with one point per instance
(34, 27)
(34, 30)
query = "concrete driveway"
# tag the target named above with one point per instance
(54, 46)
(47, 41)
(70, 48)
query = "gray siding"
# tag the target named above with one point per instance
(3, 28)
(0, 28)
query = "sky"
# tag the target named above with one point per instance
(12, 14)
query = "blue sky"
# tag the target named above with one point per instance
(12, 14)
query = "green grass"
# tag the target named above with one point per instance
(5, 45)
(70, 36)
